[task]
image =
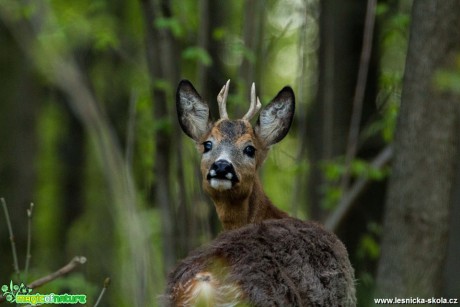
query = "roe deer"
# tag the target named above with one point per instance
(232, 151)
(266, 258)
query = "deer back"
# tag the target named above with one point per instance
(283, 262)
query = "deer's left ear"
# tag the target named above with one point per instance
(276, 118)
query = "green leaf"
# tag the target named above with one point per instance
(332, 195)
(369, 247)
(333, 170)
(448, 80)
(381, 9)
(171, 24)
(162, 84)
(218, 33)
(359, 168)
(197, 54)
(163, 124)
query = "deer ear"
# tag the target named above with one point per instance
(276, 118)
(192, 111)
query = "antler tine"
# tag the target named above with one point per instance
(222, 100)
(255, 104)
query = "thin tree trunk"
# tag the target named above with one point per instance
(418, 207)
(20, 107)
(213, 15)
(451, 286)
(253, 11)
(341, 28)
(159, 64)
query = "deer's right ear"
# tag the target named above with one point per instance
(192, 111)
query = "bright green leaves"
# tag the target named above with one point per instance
(197, 54)
(333, 172)
(393, 39)
(171, 24)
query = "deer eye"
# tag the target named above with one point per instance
(249, 151)
(207, 146)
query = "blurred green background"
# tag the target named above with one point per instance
(89, 132)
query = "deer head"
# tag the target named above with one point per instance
(233, 150)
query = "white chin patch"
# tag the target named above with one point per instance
(221, 184)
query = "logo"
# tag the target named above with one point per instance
(21, 294)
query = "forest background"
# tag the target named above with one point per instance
(89, 135)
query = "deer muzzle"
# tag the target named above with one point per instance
(222, 175)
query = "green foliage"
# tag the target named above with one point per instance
(172, 24)
(81, 23)
(334, 170)
(367, 253)
(52, 128)
(219, 33)
(359, 168)
(448, 79)
(279, 173)
(369, 247)
(144, 145)
(386, 124)
(247, 53)
(331, 196)
(393, 45)
(197, 54)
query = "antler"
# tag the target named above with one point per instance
(222, 101)
(255, 104)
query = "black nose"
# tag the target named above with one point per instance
(222, 169)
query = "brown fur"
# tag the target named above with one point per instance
(266, 258)
(283, 262)
(235, 211)
(246, 201)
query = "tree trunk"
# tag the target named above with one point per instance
(249, 71)
(451, 286)
(341, 28)
(19, 107)
(213, 15)
(416, 222)
(161, 60)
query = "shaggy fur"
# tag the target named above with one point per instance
(264, 258)
(283, 262)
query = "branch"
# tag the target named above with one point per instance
(101, 295)
(13, 242)
(360, 89)
(29, 240)
(348, 200)
(77, 260)
(62, 271)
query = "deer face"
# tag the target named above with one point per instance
(232, 150)
(231, 153)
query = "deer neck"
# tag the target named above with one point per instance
(235, 212)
